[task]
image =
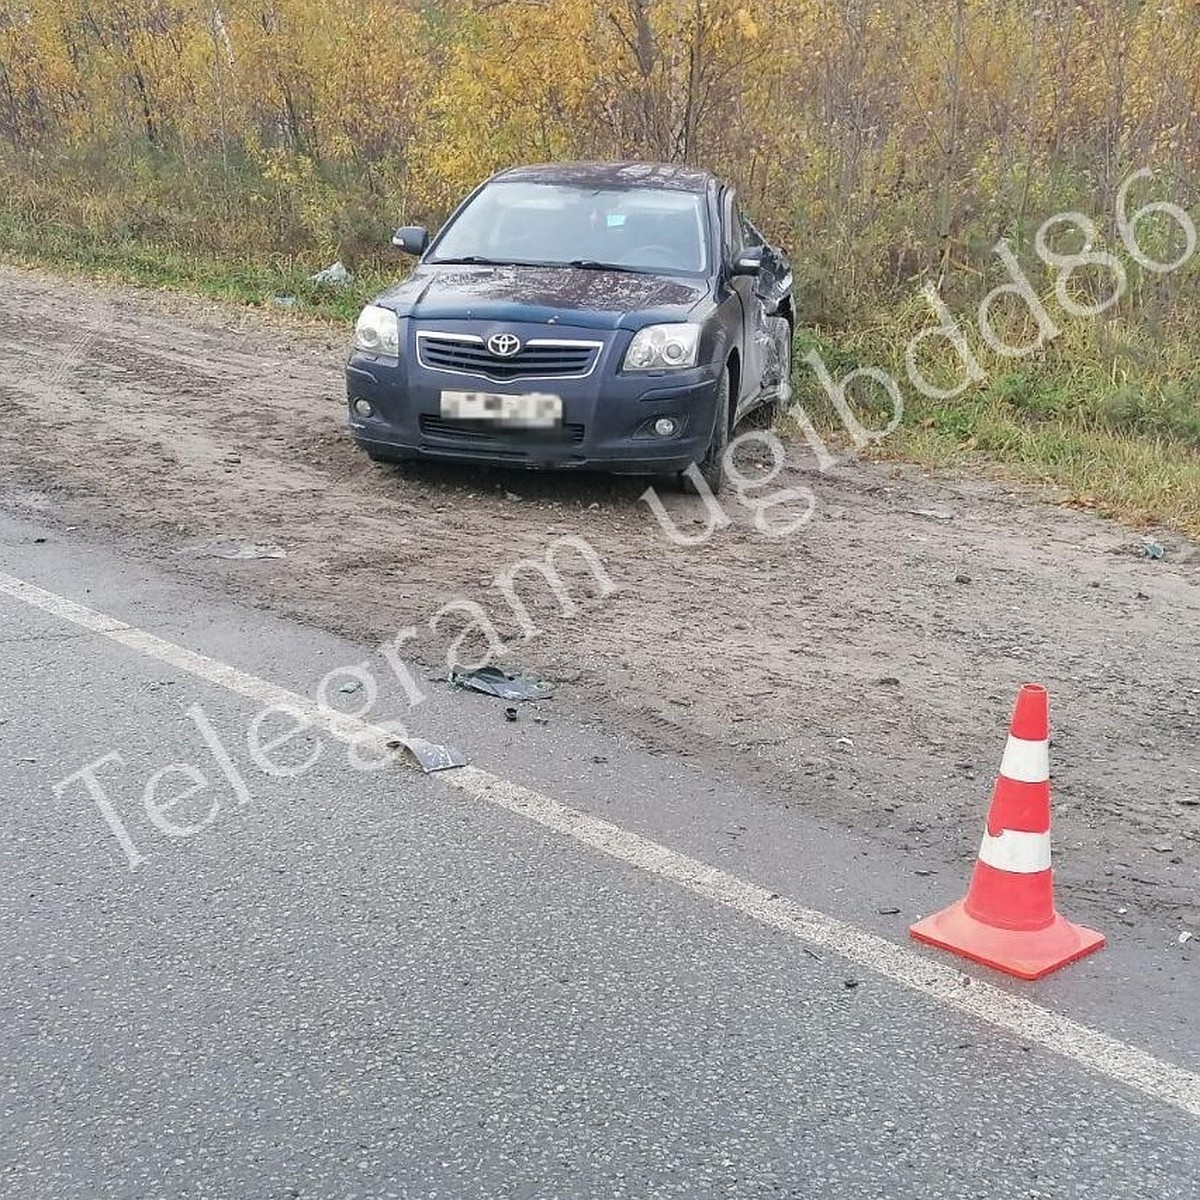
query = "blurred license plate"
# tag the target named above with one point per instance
(539, 409)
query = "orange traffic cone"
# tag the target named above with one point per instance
(1008, 920)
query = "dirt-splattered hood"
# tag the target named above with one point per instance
(595, 299)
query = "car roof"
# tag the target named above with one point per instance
(614, 175)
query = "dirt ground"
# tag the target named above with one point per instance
(862, 668)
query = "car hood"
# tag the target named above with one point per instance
(594, 299)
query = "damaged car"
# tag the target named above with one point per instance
(621, 317)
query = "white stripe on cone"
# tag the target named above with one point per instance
(1026, 762)
(1016, 851)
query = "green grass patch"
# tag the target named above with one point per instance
(1107, 416)
(267, 281)
(1135, 480)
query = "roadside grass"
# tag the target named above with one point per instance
(1135, 481)
(268, 281)
(1106, 416)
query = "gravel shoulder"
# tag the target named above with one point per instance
(861, 668)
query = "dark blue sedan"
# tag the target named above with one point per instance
(612, 316)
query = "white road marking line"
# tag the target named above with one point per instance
(1029, 1022)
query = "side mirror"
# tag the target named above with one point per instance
(412, 239)
(749, 262)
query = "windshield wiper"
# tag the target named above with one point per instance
(477, 260)
(583, 264)
(592, 264)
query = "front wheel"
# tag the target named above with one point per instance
(711, 467)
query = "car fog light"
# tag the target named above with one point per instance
(665, 426)
(362, 408)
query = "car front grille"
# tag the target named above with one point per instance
(483, 433)
(539, 358)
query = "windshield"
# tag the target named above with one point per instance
(631, 229)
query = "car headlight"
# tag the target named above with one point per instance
(663, 346)
(377, 332)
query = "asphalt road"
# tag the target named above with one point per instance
(366, 984)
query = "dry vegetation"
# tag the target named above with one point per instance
(235, 145)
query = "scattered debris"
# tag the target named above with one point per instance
(1141, 596)
(889, 912)
(924, 871)
(494, 682)
(850, 983)
(932, 514)
(430, 757)
(285, 301)
(846, 743)
(1163, 847)
(510, 714)
(962, 578)
(888, 681)
(350, 687)
(1185, 937)
(511, 496)
(232, 550)
(1153, 548)
(1188, 801)
(335, 275)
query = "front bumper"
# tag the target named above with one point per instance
(607, 415)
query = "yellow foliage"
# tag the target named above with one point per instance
(884, 127)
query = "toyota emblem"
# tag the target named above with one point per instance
(504, 345)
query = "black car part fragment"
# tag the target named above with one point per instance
(492, 681)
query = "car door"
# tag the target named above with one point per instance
(774, 283)
(755, 338)
(773, 287)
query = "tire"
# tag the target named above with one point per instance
(712, 465)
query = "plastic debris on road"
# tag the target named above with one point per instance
(430, 756)
(494, 682)
(1153, 548)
